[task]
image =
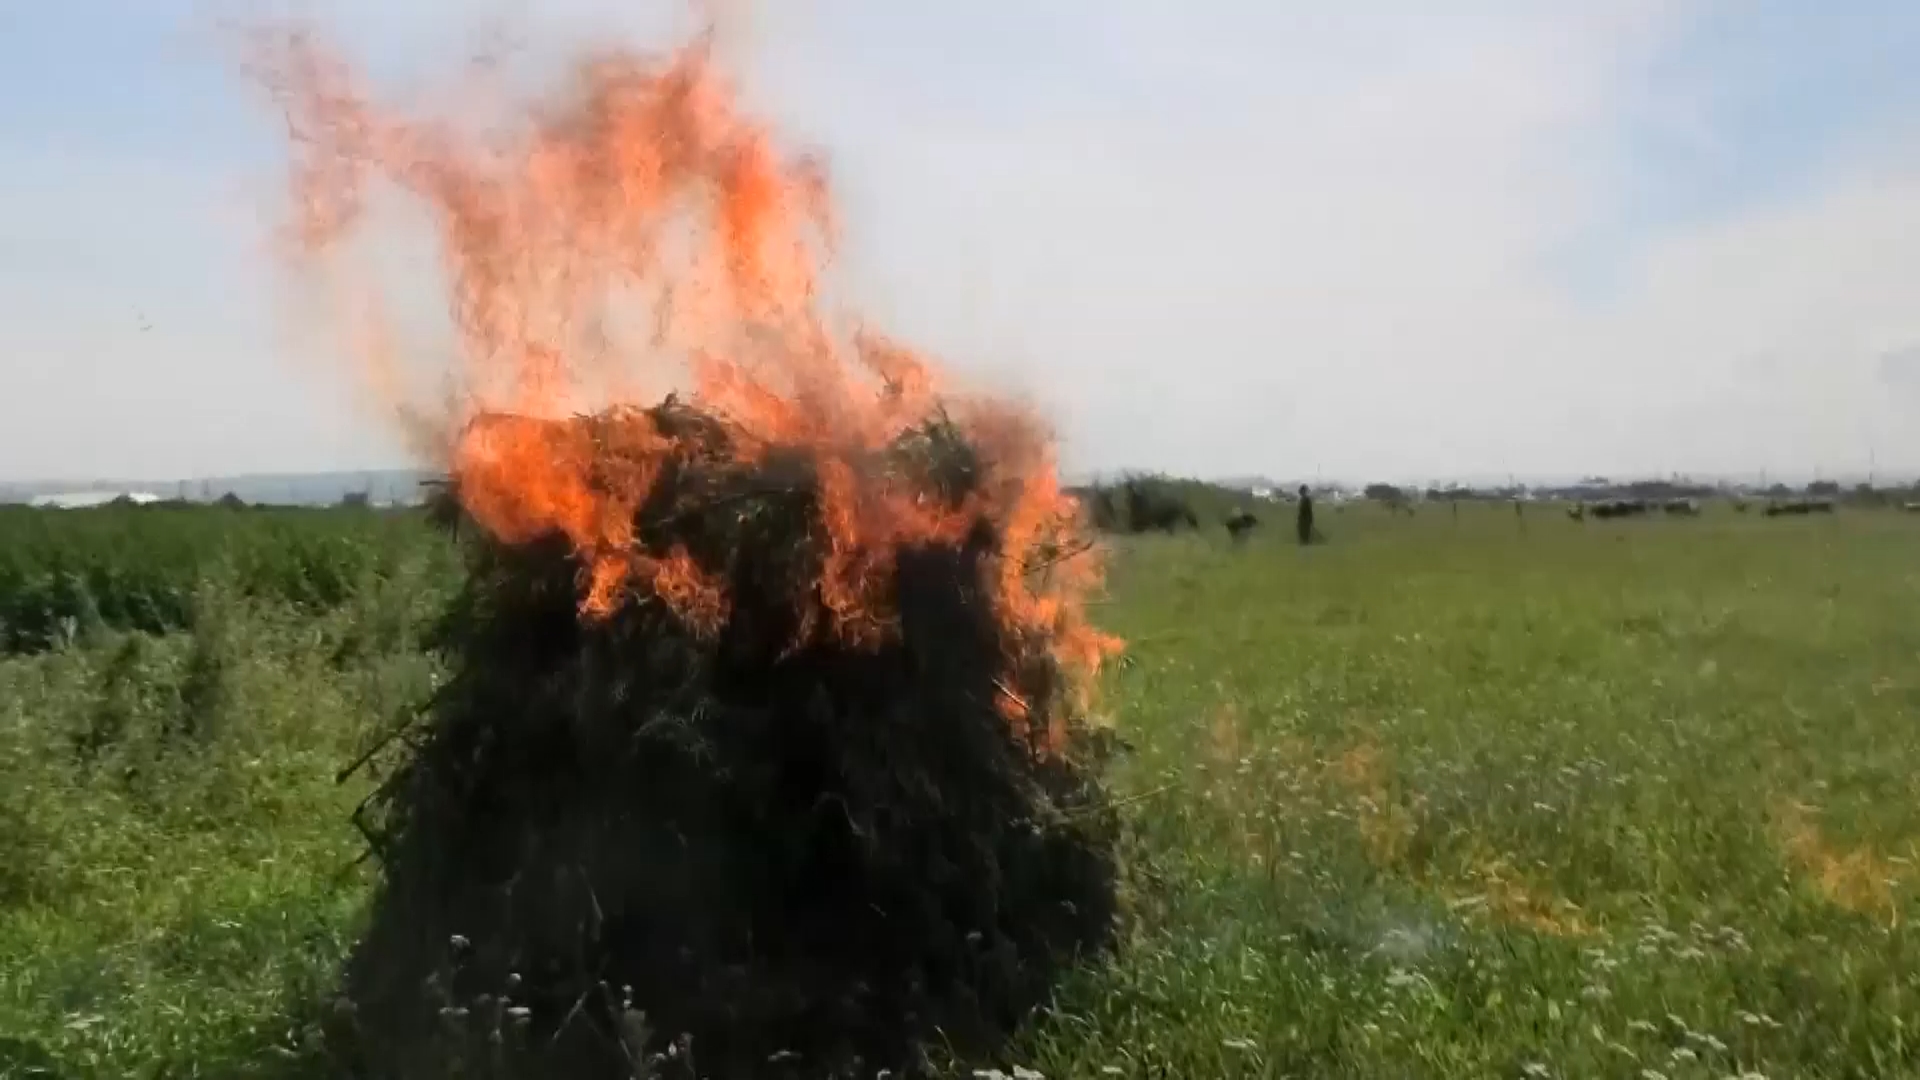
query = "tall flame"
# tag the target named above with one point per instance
(645, 188)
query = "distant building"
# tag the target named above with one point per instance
(80, 500)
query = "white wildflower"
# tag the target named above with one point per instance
(1710, 1042)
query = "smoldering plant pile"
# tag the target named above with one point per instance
(747, 849)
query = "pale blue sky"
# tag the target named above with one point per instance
(1357, 238)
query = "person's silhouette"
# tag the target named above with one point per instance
(1303, 520)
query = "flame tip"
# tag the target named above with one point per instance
(643, 187)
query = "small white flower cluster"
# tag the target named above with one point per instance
(1019, 1073)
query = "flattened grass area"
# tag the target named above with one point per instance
(1475, 797)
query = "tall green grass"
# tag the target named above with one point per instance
(1482, 796)
(1513, 796)
(73, 572)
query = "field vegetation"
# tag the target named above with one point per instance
(1475, 796)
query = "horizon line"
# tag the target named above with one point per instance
(55, 484)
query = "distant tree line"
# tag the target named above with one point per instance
(1149, 503)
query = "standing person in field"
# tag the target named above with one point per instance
(1303, 519)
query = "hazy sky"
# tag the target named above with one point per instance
(1359, 238)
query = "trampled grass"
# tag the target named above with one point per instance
(1474, 797)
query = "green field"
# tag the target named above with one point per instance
(1473, 797)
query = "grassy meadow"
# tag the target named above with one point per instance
(1473, 796)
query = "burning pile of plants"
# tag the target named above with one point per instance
(759, 750)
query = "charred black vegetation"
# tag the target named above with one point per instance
(617, 847)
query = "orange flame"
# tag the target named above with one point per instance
(647, 185)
